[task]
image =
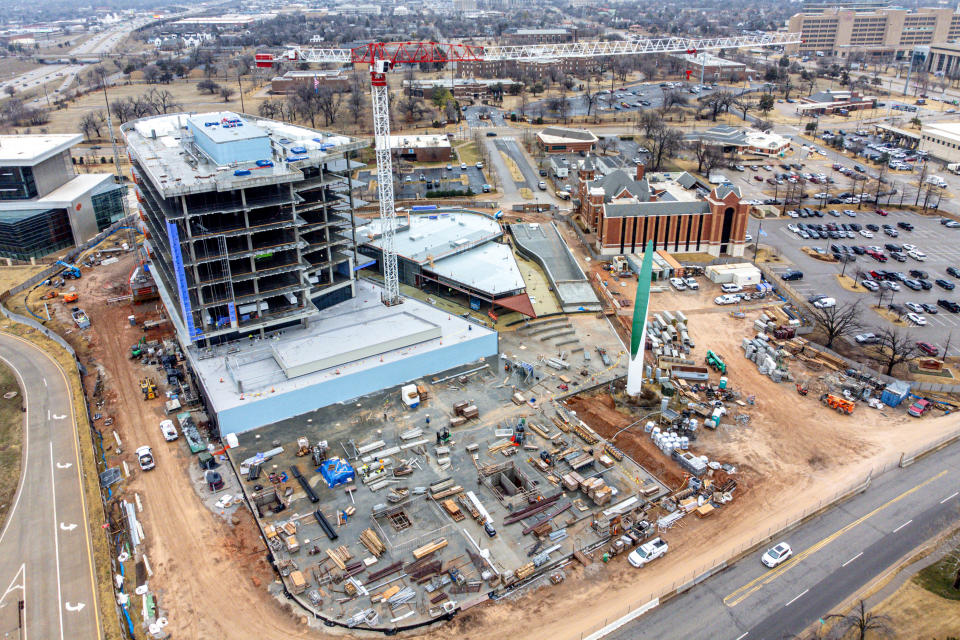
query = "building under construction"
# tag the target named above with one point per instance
(244, 219)
(250, 233)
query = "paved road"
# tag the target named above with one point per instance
(836, 554)
(45, 556)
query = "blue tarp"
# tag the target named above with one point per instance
(337, 471)
(894, 393)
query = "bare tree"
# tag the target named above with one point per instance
(664, 142)
(838, 321)
(226, 93)
(209, 86)
(895, 347)
(589, 96)
(356, 102)
(718, 103)
(162, 100)
(673, 99)
(647, 122)
(90, 124)
(860, 624)
(328, 102)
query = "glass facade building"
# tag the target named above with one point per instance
(17, 183)
(34, 233)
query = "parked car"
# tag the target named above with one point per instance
(953, 271)
(944, 284)
(928, 348)
(916, 273)
(825, 303)
(919, 407)
(678, 283)
(870, 284)
(729, 287)
(949, 305)
(867, 338)
(917, 319)
(168, 430)
(792, 274)
(776, 555)
(929, 308)
(913, 306)
(729, 298)
(691, 283)
(145, 458)
(648, 552)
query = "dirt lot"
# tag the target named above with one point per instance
(211, 576)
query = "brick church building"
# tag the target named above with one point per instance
(678, 212)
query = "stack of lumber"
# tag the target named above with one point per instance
(451, 507)
(470, 508)
(340, 556)
(383, 573)
(370, 539)
(446, 493)
(429, 548)
(525, 571)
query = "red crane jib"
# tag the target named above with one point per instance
(415, 52)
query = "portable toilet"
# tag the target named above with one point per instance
(723, 382)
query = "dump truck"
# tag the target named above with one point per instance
(842, 405)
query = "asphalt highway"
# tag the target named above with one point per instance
(46, 569)
(835, 555)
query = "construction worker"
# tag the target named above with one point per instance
(428, 419)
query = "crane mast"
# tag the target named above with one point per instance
(388, 214)
(382, 56)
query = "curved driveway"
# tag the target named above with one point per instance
(47, 588)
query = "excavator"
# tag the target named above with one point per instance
(137, 350)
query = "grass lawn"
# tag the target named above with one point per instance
(11, 440)
(468, 153)
(938, 578)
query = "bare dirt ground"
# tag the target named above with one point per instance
(211, 576)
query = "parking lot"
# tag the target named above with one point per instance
(940, 244)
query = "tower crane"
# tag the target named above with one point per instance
(382, 57)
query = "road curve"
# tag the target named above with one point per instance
(46, 560)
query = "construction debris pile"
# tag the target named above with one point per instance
(667, 334)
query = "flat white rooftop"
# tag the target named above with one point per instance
(356, 336)
(432, 141)
(29, 150)
(432, 236)
(490, 268)
(64, 195)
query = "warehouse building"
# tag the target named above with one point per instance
(711, 68)
(45, 206)
(677, 212)
(457, 254)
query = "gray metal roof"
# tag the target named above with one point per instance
(644, 209)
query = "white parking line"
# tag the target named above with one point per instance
(852, 559)
(902, 526)
(952, 495)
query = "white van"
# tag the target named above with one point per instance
(729, 287)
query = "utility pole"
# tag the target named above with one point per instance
(906, 85)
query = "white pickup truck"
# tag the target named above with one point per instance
(647, 552)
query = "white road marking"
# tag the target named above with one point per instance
(56, 417)
(74, 607)
(12, 585)
(56, 539)
(902, 526)
(44, 382)
(64, 465)
(797, 598)
(852, 559)
(67, 527)
(952, 495)
(26, 447)
(744, 636)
